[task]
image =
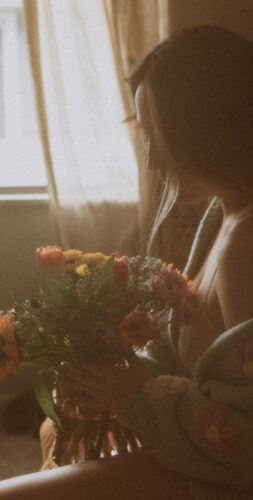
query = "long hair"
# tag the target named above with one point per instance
(200, 82)
(171, 185)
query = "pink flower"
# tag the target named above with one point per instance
(50, 258)
(172, 289)
(175, 281)
(160, 291)
(120, 271)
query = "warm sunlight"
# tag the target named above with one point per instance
(97, 143)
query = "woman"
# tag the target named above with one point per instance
(194, 103)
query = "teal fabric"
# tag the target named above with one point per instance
(201, 426)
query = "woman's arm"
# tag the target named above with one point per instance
(235, 275)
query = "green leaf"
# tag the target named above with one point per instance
(132, 63)
(129, 118)
(43, 386)
(38, 286)
(32, 364)
(56, 288)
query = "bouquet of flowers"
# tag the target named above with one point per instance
(94, 308)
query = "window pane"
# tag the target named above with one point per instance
(1, 88)
(21, 158)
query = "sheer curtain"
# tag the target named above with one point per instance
(91, 165)
(135, 26)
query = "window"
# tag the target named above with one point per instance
(21, 158)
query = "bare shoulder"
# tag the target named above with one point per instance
(235, 273)
(238, 243)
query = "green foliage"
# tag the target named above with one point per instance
(43, 386)
(76, 319)
(132, 63)
(129, 118)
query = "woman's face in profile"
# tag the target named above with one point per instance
(144, 120)
(191, 190)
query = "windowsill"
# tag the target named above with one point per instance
(25, 198)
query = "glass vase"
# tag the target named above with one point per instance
(92, 439)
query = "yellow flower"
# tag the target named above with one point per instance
(72, 254)
(77, 261)
(82, 270)
(93, 259)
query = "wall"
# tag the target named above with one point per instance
(24, 226)
(236, 15)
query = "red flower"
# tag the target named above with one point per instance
(50, 258)
(120, 271)
(117, 255)
(138, 328)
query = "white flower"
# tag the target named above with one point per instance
(165, 384)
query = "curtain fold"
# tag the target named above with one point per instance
(59, 35)
(82, 137)
(32, 30)
(135, 26)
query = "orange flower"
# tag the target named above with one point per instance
(9, 365)
(138, 328)
(7, 329)
(218, 429)
(50, 258)
(9, 356)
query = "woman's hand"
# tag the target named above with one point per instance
(99, 388)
